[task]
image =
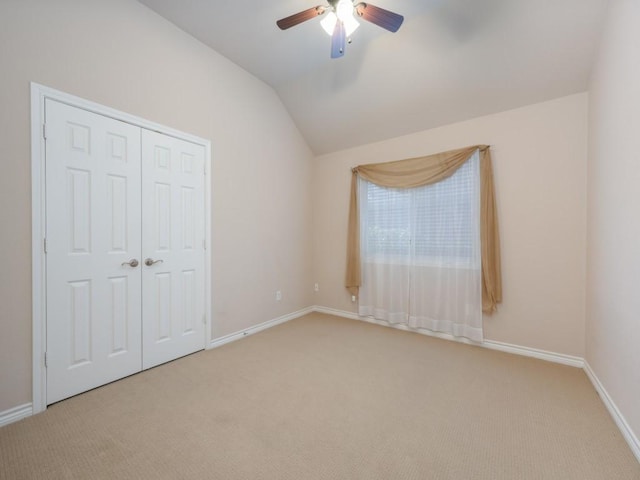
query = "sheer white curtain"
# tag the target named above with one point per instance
(420, 250)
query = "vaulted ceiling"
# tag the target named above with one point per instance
(450, 61)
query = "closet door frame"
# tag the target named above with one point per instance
(39, 93)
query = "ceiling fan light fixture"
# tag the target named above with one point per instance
(344, 13)
(328, 23)
(344, 10)
(350, 25)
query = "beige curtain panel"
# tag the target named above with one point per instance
(416, 172)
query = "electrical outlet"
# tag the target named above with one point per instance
(278, 296)
(316, 287)
(353, 298)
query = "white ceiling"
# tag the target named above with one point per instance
(450, 61)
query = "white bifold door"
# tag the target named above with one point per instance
(172, 247)
(124, 249)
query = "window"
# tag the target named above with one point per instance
(434, 224)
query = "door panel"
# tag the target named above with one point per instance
(173, 237)
(93, 227)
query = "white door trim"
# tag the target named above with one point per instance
(38, 220)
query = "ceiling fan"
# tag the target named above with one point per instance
(340, 22)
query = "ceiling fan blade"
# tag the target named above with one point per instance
(381, 17)
(300, 17)
(338, 40)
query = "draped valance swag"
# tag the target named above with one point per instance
(416, 172)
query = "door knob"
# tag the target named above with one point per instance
(132, 263)
(150, 261)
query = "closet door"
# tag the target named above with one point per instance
(173, 235)
(93, 242)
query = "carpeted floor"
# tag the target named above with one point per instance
(322, 397)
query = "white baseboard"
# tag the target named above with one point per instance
(554, 357)
(617, 416)
(493, 345)
(232, 337)
(16, 413)
(337, 313)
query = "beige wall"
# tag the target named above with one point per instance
(539, 155)
(121, 54)
(613, 233)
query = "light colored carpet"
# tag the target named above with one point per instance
(322, 397)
